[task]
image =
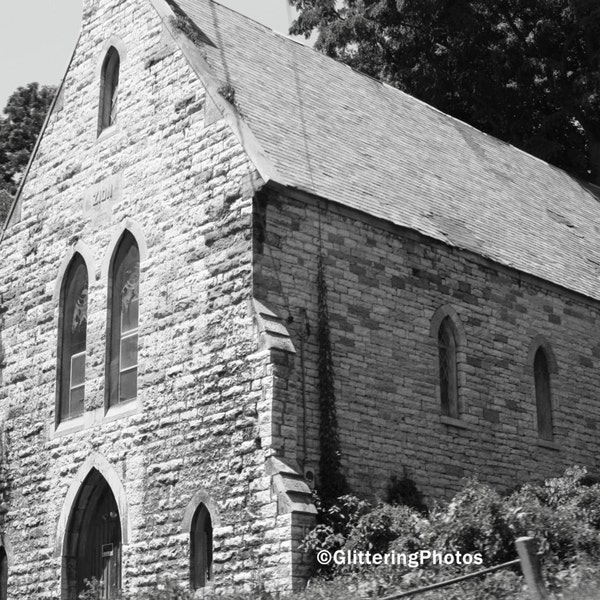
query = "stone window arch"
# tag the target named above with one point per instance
(201, 548)
(123, 321)
(448, 332)
(541, 369)
(72, 336)
(200, 519)
(109, 89)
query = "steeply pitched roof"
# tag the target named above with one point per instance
(333, 132)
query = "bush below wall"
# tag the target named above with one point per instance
(563, 514)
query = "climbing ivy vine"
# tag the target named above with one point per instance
(332, 481)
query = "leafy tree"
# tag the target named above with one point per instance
(20, 125)
(5, 202)
(526, 71)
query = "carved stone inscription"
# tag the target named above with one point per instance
(100, 198)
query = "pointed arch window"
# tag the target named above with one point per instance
(447, 369)
(201, 548)
(123, 321)
(73, 332)
(109, 89)
(543, 398)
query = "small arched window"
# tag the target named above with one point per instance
(201, 547)
(72, 339)
(447, 369)
(543, 399)
(109, 88)
(123, 321)
(3, 574)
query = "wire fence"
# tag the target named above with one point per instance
(528, 560)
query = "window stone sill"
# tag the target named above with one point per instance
(68, 427)
(107, 133)
(126, 409)
(549, 445)
(458, 423)
(95, 418)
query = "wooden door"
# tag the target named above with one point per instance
(99, 551)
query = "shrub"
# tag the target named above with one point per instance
(404, 492)
(562, 513)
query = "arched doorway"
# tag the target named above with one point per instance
(92, 547)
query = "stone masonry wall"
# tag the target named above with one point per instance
(385, 285)
(171, 172)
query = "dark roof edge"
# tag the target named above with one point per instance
(16, 204)
(393, 227)
(193, 55)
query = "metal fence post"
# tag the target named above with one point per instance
(530, 564)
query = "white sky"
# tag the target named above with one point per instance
(37, 37)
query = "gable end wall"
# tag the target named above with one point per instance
(183, 185)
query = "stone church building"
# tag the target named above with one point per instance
(159, 408)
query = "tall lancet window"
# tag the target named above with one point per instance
(73, 329)
(109, 90)
(201, 548)
(123, 326)
(543, 398)
(447, 369)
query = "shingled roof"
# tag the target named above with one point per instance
(341, 135)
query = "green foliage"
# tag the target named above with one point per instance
(20, 126)
(228, 92)
(183, 23)
(5, 202)
(167, 589)
(562, 514)
(475, 521)
(525, 71)
(332, 482)
(336, 524)
(404, 491)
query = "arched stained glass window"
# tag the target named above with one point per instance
(201, 548)
(543, 399)
(109, 90)
(73, 330)
(123, 325)
(447, 369)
